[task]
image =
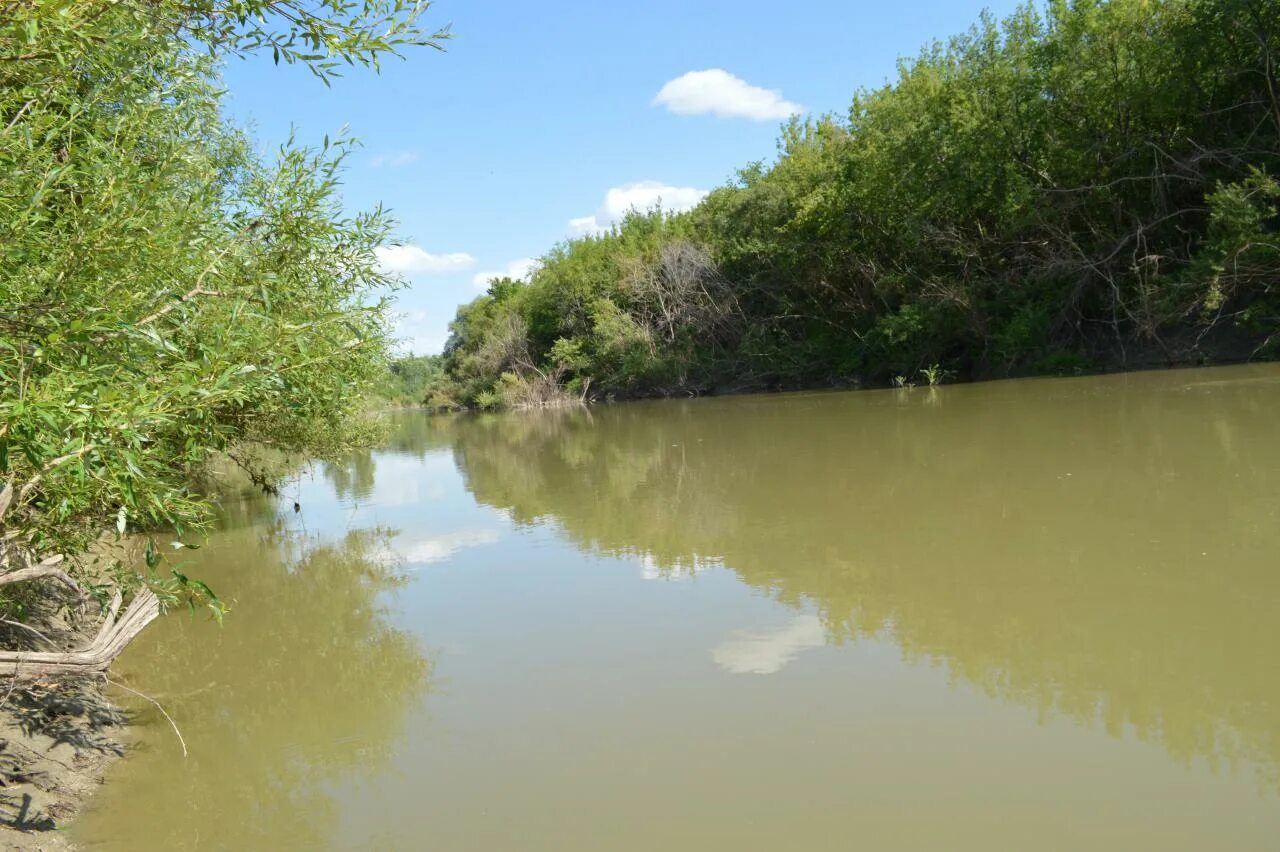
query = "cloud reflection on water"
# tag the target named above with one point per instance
(766, 652)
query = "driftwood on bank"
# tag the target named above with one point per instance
(116, 631)
(97, 656)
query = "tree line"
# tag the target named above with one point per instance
(1082, 185)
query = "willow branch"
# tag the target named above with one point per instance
(31, 483)
(186, 297)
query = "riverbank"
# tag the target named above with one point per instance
(57, 741)
(1149, 359)
(58, 737)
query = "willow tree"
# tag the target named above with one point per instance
(165, 293)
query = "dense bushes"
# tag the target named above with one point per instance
(165, 293)
(1087, 184)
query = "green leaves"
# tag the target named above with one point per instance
(166, 294)
(1077, 182)
(321, 36)
(177, 589)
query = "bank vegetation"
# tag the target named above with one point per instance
(1083, 185)
(167, 295)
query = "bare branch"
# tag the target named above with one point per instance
(158, 706)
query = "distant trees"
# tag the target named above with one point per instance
(1083, 184)
(165, 294)
(412, 379)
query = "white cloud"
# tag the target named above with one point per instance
(394, 158)
(642, 195)
(767, 652)
(718, 92)
(520, 270)
(411, 260)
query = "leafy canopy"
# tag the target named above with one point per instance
(1084, 183)
(166, 294)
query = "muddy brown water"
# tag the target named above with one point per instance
(1021, 615)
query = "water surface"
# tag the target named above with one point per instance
(1036, 614)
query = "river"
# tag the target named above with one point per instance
(1039, 614)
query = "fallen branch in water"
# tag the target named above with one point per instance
(158, 706)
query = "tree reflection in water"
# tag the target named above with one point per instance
(1101, 549)
(304, 690)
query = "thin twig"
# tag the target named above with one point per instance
(14, 120)
(13, 684)
(30, 629)
(172, 723)
(187, 297)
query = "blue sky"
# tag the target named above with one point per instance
(544, 119)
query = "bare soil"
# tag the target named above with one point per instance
(58, 735)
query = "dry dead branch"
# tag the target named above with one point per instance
(113, 635)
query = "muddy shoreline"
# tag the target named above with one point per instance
(58, 736)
